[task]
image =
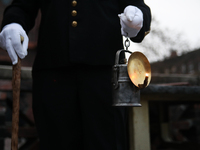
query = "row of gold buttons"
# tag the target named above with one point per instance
(74, 13)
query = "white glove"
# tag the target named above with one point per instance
(131, 21)
(10, 40)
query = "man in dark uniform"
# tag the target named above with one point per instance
(72, 100)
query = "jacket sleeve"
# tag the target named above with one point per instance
(146, 18)
(23, 12)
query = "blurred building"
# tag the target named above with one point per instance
(184, 68)
(188, 63)
(175, 124)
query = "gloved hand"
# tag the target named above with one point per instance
(131, 21)
(10, 40)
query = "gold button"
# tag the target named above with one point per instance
(74, 3)
(74, 13)
(74, 24)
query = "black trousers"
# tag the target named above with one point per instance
(73, 110)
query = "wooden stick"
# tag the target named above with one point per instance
(16, 81)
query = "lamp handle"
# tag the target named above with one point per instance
(118, 54)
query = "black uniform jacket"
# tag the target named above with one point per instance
(89, 35)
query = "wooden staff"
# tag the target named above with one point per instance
(16, 81)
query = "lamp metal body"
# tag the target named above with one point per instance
(125, 93)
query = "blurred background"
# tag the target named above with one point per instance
(173, 49)
(175, 27)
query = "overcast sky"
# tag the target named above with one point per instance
(180, 15)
